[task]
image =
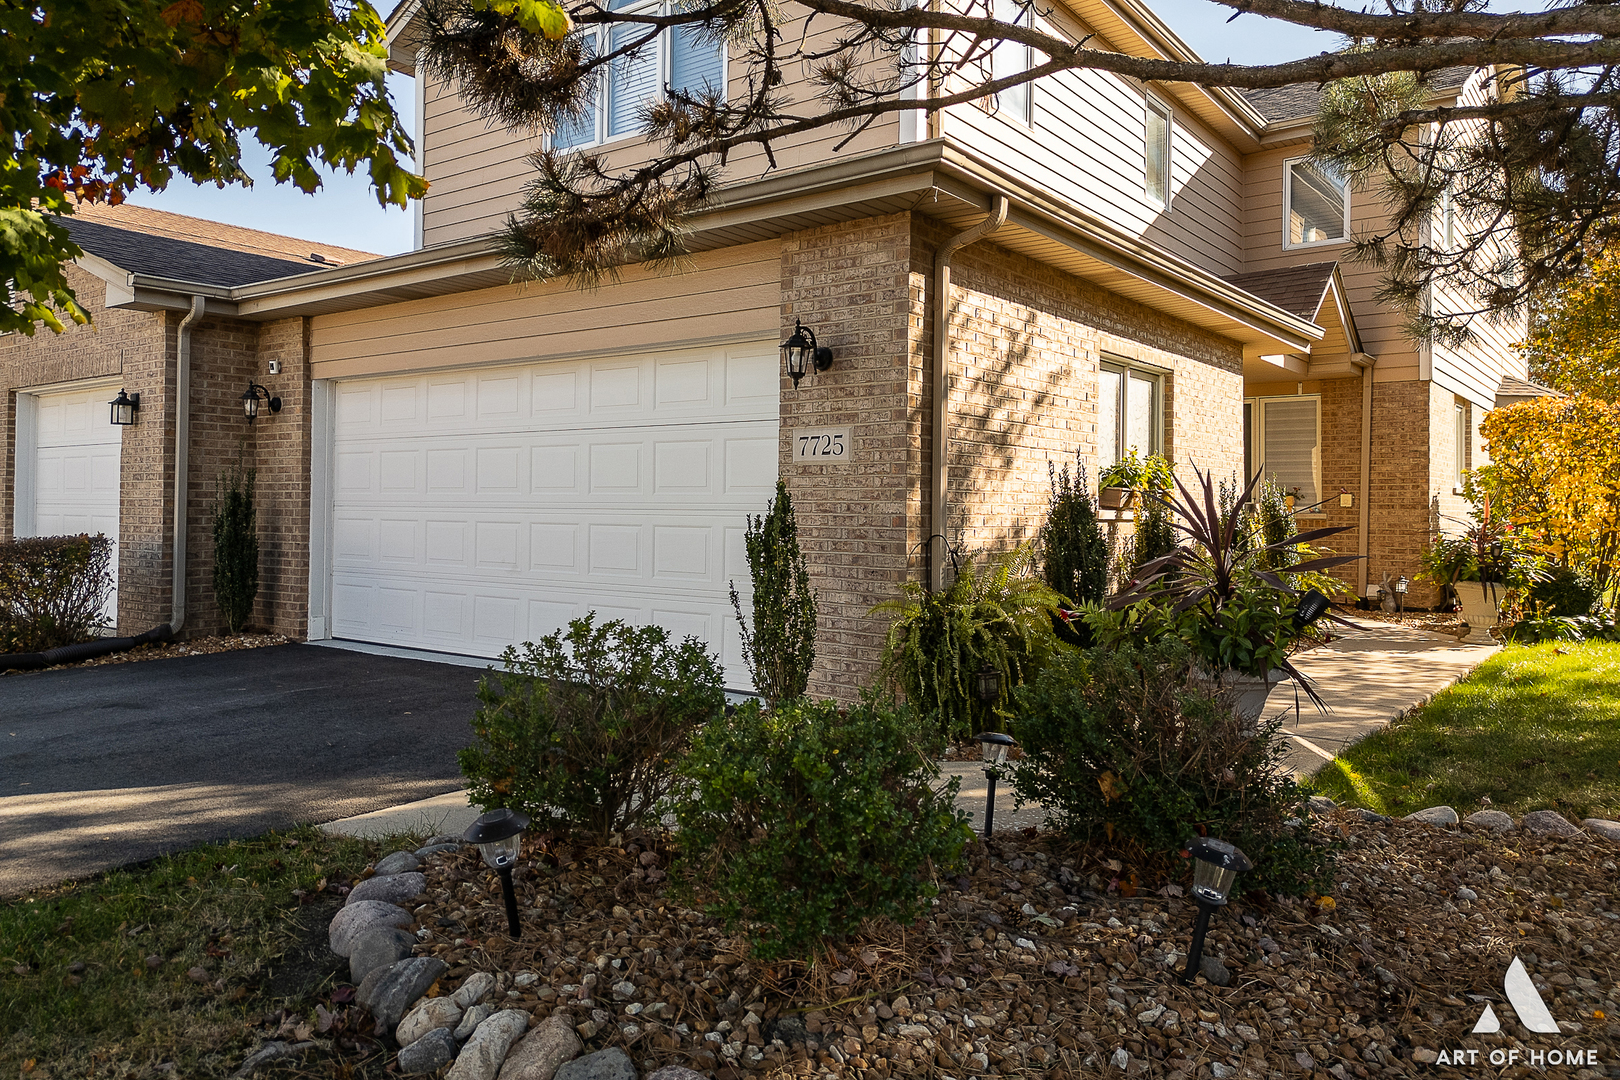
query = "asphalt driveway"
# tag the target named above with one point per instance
(104, 766)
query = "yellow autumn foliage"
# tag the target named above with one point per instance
(1555, 473)
(1575, 344)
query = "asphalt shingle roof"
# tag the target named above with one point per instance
(1512, 387)
(1298, 101)
(1298, 290)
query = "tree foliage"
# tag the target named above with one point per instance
(780, 648)
(101, 97)
(1574, 345)
(1530, 164)
(1554, 472)
(236, 548)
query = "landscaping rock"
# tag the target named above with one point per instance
(471, 1019)
(481, 1058)
(546, 1049)
(1434, 815)
(1216, 972)
(1494, 820)
(475, 989)
(378, 947)
(269, 1054)
(430, 1053)
(389, 991)
(609, 1064)
(1369, 816)
(433, 849)
(671, 1072)
(357, 918)
(1609, 830)
(1321, 804)
(429, 1013)
(393, 889)
(400, 862)
(1547, 823)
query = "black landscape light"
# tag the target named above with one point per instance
(250, 401)
(499, 836)
(988, 684)
(800, 352)
(124, 407)
(1215, 869)
(1312, 606)
(993, 747)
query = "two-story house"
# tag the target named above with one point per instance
(463, 462)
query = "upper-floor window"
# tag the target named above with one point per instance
(1283, 437)
(1012, 58)
(1156, 152)
(1316, 204)
(681, 59)
(1130, 400)
(1447, 231)
(1462, 445)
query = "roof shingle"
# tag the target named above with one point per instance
(1298, 290)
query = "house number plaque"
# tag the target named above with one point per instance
(822, 445)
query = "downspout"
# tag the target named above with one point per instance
(1365, 363)
(182, 458)
(937, 546)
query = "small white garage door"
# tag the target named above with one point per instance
(76, 455)
(474, 510)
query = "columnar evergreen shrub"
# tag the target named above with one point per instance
(590, 723)
(1074, 552)
(1127, 745)
(804, 820)
(780, 648)
(236, 548)
(52, 590)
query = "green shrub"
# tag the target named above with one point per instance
(804, 820)
(780, 650)
(590, 723)
(236, 549)
(1155, 535)
(938, 642)
(1074, 553)
(52, 590)
(1128, 744)
(1562, 591)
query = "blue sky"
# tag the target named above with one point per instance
(344, 211)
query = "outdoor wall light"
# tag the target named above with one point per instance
(250, 401)
(1215, 869)
(124, 407)
(988, 684)
(1312, 606)
(993, 747)
(800, 351)
(499, 836)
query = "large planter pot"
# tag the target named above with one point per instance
(1479, 600)
(1249, 692)
(1113, 498)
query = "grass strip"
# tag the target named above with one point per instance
(1533, 728)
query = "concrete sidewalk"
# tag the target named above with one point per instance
(1368, 678)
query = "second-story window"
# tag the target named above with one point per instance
(1316, 204)
(681, 59)
(1011, 58)
(1156, 152)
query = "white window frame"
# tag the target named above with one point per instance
(1463, 444)
(1026, 114)
(1288, 206)
(1255, 440)
(1153, 103)
(599, 107)
(1145, 372)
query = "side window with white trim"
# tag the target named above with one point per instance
(1316, 204)
(1285, 441)
(1156, 150)
(1011, 58)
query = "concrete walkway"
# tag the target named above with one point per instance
(1367, 678)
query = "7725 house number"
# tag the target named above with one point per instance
(822, 445)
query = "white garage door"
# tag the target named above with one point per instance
(473, 510)
(75, 469)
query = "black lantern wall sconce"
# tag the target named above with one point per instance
(124, 407)
(800, 353)
(250, 401)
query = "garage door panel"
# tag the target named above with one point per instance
(524, 497)
(76, 470)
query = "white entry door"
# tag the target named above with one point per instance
(76, 457)
(472, 510)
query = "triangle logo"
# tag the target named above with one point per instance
(1526, 1002)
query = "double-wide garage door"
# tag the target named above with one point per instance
(476, 509)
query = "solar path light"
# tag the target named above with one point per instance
(499, 836)
(1215, 869)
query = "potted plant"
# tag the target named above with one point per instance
(1131, 474)
(1217, 593)
(1489, 564)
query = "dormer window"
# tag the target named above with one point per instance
(1316, 203)
(682, 58)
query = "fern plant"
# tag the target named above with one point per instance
(236, 548)
(780, 647)
(939, 641)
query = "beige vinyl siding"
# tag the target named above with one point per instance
(726, 294)
(478, 171)
(1087, 145)
(1379, 325)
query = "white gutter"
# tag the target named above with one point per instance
(182, 457)
(938, 547)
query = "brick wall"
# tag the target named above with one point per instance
(1401, 470)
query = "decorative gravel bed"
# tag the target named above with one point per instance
(191, 647)
(1041, 959)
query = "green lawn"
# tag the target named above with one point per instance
(1533, 728)
(176, 961)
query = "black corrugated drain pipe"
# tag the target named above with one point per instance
(84, 650)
